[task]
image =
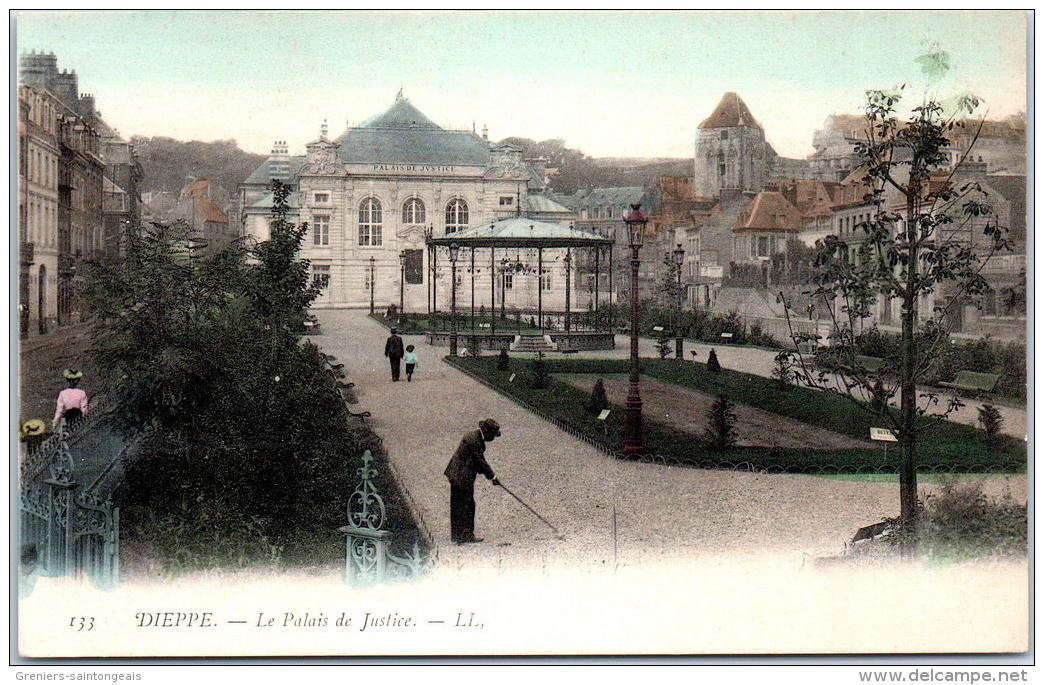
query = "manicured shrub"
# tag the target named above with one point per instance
(991, 423)
(663, 345)
(539, 377)
(599, 400)
(783, 372)
(721, 424)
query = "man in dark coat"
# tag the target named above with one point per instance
(394, 351)
(468, 461)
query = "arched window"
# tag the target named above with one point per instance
(370, 222)
(456, 216)
(413, 211)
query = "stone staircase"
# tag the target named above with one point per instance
(532, 344)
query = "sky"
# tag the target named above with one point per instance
(612, 84)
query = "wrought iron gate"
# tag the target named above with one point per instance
(368, 557)
(63, 529)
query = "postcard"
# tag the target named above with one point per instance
(383, 334)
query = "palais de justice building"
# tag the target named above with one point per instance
(376, 190)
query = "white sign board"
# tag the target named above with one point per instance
(604, 415)
(883, 434)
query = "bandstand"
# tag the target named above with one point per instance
(536, 277)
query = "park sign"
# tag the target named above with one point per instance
(883, 435)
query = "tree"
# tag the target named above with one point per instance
(721, 424)
(599, 400)
(927, 236)
(238, 421)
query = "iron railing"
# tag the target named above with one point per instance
(368, 555)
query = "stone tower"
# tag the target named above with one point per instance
(731, 152)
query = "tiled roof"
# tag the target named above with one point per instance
(403, 135)
(731, 112)
(293, 201)
(210, 212)
(520, 231)
(542, 203)
(264, 174)
(769, 211)
(589, 197)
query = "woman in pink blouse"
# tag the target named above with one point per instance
(72, 402)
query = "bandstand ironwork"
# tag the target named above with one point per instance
(511, 244)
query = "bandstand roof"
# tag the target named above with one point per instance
(520, 231)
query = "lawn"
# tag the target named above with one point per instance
(945, 448)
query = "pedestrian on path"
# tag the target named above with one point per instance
(72, 402)
(394, 352)
(468, 461)
(411, 362)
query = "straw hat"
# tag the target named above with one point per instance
(33, 427)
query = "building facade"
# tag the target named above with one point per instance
(374, 194)
(78, 191)
(38, 161)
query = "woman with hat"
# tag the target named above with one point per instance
(32, 432)
(72, 402)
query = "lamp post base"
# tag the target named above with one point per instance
(632, 436)
(678, 353)
(453, 344)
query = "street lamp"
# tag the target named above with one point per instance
(402, 282)
(568, 264)
(503, 286)
(679, 259)
(454, 250)
(372, 262)
(632, 436)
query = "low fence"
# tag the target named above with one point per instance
(721, 463)
(494, 342)
(584, 341)
(483, 342)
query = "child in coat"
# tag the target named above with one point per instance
(411, 362)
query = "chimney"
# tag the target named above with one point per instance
(279, 162)
(539, 165)
(973, 168)
(86, 106)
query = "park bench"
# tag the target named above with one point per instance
(874, 530)
(360, 415)
(972, 381)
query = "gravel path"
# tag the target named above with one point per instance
(609, 512)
